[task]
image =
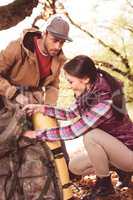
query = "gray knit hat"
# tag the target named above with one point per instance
(59, 28)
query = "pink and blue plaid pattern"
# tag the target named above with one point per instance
(61, 114)
(89, 119)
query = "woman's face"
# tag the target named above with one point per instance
(78, 85)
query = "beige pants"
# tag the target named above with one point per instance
(101, 150)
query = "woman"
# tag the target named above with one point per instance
(101, 119)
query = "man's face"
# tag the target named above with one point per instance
(51, 44)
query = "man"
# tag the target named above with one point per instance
(30, 68)
(29, 71)
(33, 62)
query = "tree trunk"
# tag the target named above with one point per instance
(15, 12)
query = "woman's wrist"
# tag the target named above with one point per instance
(40, 135)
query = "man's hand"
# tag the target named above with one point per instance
(10, 92)
(14, 93)
(21, 99)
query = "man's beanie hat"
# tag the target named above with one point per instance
(59, 28)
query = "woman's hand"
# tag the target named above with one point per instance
(30, 109)
(30, 134)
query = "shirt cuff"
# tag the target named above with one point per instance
(40, 135)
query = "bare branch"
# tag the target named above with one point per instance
(114, 69)
(129, 3)
(120, 37)
(115, 52)
(129, 28)
(52, 6)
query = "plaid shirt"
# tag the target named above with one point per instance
(85, 122)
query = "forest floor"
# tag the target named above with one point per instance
(83, 186)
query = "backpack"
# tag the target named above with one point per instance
(27, 167)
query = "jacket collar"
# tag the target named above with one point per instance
(27, 39)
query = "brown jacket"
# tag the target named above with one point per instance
(19, 67)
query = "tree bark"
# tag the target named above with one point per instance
(15, 12)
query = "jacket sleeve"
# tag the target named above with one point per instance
(7, 60)
(51, 95)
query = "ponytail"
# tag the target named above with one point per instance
(118, 99)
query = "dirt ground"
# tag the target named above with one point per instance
(82, 187)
